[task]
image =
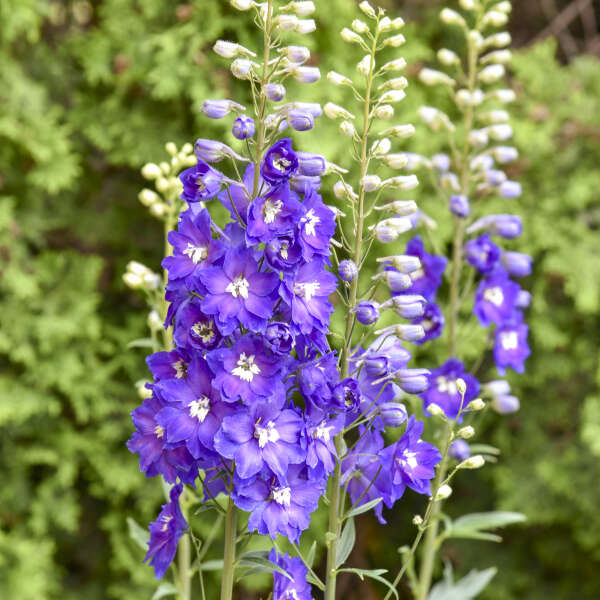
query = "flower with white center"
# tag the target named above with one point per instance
(159, 432)
(204, 330)
(509, 340)
(408, 458)
(494, 295)
(271, 209)
(196, 253)
(307, 290)
(310, 220)
(199, 408)
(266, 434)
(238, 287)
(180, 369)
(246, 368)
(282, 496)
(322, 431)
(446, 386)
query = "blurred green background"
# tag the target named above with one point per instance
(90, 91)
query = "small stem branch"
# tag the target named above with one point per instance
(184, 557)
(229, 553)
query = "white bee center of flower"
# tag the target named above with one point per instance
(281, 163)
(159, 431)
(166, 519)
(282, 496)
(180, 369)
(509, 340)
(409, 458)
(196, 253)
(446, 386)
(200, 408)
(310, 221)
(200, 184)
(494, 295)
(322, 431)
(417, 274)
(204, 330)
(238, 287)
(426, 324)
(284, 250)
(246, 367)
(266, 434)
(306, 290)
(271, 210)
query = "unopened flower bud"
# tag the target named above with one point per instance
(466, 432)
(445, 491)
(504, 154)
(348, 271)
(367, 312)
(287, 22)
(344, 191)
(296, 54)
(400, 131)
(405, 263)
(408, 306)
(306, 74)
(231, 49)
(381, 147)
(392, 96)
(305, 26)
(367, 9)
(440, 162)
(171, 148)
(477, 404)
(466, 98)
(158, 210)
(333, 111)
(311, 165)
(302, 9)
(492, 73)
(505, 7)
(142, 391)
(448, 57)
(392, 414)
(347, 129)
(360, 26)
(275, 92)
(497, 56)
(434, 410)
(243, 4)
(218, 109)
(394, 65)
(396, 281)
(505, 405)
(468, 4)
(494, 18)
(384, 112)
(397, 83)
(395, 41)
(371, 183)
(461, 386)
(412, 381)
(451, 17)
(435, 119)
(459, 206)
(300, 120)
(409, 333)
(498, 40)
(473, 462)
(433, 77)
(504, 96)
(401, 182)
(510, 189)
(132, 280)
(417, 520)
(241, 68)
(366, 65)
(338, 79)
(350, 36)
(459, 449)
(243, 127)
(151, 171)
(148, 197)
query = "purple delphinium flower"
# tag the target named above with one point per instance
(156, 456)
(316, 380)
(506, 226)
(482, 254)
(307, 294)
(411, 461)
(243, 127)
(237, 197)
(167, 365)
(496, 297)
(200, 182)
(237, 292)
(194, 410)
(316, 227)
(320, 446)
(165, 533)
(193, 330)
(427, 279)
(517, 264)
(261, 436)
(279, 338)
(443, 390)
(273, 214)
(284, 588)
(283, 252)
(345, 395)
(278, 506)
(511, 348)
(432, 322)
(193, 247)
(248, 371)
(280, 162)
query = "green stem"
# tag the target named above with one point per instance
(184, 557)
(229, 554)
(336, 498)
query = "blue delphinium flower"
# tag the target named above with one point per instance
(200, 182)
(427, 279)
(443, 389)
(280, 162)
(193, 329)
(165, 533)
(511, 348)
(168, 365)
(482, 254)
(284, 588)
(316, 226)
(432, 322)
(496, 297)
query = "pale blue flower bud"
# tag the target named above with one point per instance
(300, 120)
(495, 177)
(407, 306)
(460, 450)
(504, 154)
(243, 127)
(510, 189)
(459, 206)
(305, 74)
(211, 151)
(517, 264)
(348, 270)
(311, 165)
(498, 387)
(505, 405)
(217, 109)
(396, 281)
(412, 381)
(523, 299)
(367, 312)
(297, 54)
(409, 333)
(440, 162)
(275, 92)
(506, 226)
(392, 414)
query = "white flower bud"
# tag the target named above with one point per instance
(491, 73)
(287, 22)
(469, 4)
(165, 167)
(461, 386)
(370, 183)
(243, 4)
(401, 182)
(398, 23)
(338, 79)
(497, 56)
(333, 111)
(367, 9)
(475, 38)
(366, 65)
(505, 96)
(448, 57)
(433, 77)
(154, 321)
(466, 432)
(241, 68)
(477, 404)
(132, 281)
(494, 18)
(392, 96)
(159, 209)
(400, 131)
(451, 17)
(142, 391)
(359, 26)
(395, 161)
(397, 84)
(148, 197)
(466, 98)
(401, 208)
(394, 65)
(445, 491)
(344, 191)
(347, 129)
(500, 132)
(435, 119)
(417, 520)
(151, 171)
(505, 7)
(301, 9)
(305, 26)
(495, 116)
(349, 36)
(434, 410)
(388, 230)
(171, 148)
(498, 40)
(478, 138)
(162, 184)
(384, 112)
(230, 49)
(395, 41)
(473, 462)
(381, 147)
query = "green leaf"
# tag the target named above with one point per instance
(346, 543)
(375, 574)
(142, 343)
(484, 449)
(138, 534)
(164, 589)
(310, 557)
(363, 508)
(257, 560)
(487, 520)
(465, 589)
(211, 565)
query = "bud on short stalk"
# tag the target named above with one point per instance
(473, 462)
(466, 432)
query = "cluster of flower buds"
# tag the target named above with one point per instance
(140, 277)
